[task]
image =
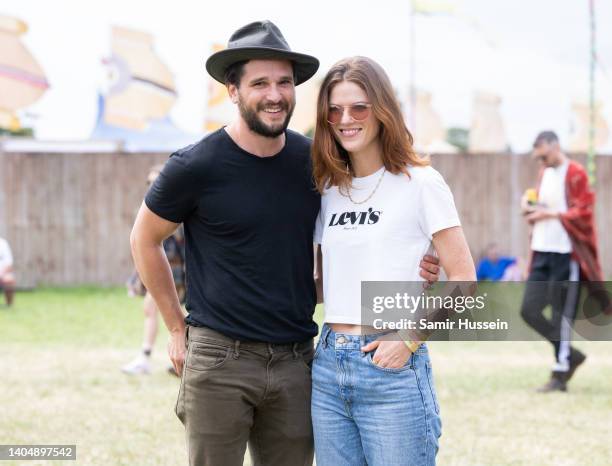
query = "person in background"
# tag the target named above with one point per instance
(515, 272)
(174, 247)
(493, 266)
(7, 278)
(563, 251)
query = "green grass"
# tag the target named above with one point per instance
(61, 351)
(95, 317)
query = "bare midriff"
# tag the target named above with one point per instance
(353, 329)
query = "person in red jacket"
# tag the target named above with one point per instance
(563, 252)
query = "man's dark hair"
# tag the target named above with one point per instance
(546, 136)
(234, 72)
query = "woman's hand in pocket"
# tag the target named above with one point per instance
(391, 353)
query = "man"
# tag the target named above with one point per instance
(564, 250)
(246, 198)
(7, 279)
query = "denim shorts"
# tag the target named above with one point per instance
(364, 414)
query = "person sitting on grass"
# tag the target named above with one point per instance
(7, 278)
(492, 266)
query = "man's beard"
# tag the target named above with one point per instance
(255, 123)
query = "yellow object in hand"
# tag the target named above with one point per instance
(532, 196)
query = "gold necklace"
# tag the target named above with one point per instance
(371, 194)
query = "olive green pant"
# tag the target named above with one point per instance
(233, 393)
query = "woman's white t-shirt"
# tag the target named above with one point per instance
(383, 239)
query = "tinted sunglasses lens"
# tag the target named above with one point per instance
(334, 115)
(359, 112)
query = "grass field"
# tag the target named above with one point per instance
(60, 383)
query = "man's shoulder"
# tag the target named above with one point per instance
(298, 141)
(202, 149)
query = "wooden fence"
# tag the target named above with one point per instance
(68, 216)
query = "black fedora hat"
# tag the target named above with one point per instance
(260, 40)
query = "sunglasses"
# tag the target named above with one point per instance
(357, 112)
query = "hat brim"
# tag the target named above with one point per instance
(305, 66)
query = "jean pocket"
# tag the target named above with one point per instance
(405, 367)
(206, 356)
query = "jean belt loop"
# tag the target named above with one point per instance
(325, 335)
(295, 351)
(186, 336)
(236, 349)
(362, 343)
(270, 349)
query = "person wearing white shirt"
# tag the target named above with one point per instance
(555, 269)
(382, 209)
(7, 278)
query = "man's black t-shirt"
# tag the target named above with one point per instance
(249, 224)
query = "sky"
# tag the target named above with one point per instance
(533, 53)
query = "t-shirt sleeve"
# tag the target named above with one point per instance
(438, 210)
(318, 232)
(174, 194)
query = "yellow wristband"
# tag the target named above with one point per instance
(408, 341)
(412, 345)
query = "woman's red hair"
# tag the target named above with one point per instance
(331, 163)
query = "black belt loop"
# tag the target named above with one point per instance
(236, 349)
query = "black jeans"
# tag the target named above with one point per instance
(553, 280)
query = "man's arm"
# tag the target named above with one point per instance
(456, 260)
(540, 214)
(146, 240)
(580, 198)
(455, 256)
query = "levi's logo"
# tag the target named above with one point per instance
(368, 217)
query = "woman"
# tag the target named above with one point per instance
(382, 208)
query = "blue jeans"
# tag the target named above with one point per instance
(363, 414)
